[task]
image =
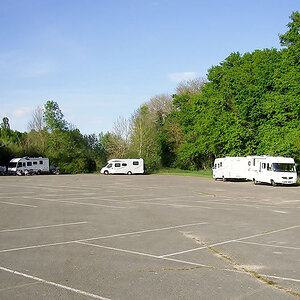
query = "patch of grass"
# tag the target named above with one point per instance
(175, 171)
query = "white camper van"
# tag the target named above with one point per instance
(230, 168)
(272, 169)
(124, 166)
(35, 165)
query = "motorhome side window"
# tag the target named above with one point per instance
(41, 162)
(220, 164)
(117, 165)
(124, 165)
(29, 164)
(19, 164)
(135, 163)
(35, 162)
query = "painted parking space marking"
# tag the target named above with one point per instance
(18, 204)
(233, 240)
(74, 202)
(268, 245)
(101, 237)
(43, 226)
(185, 262)
(80, 292)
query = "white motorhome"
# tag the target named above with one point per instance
(230, 168)
(22, 165)
(124, 166)
(272, 169)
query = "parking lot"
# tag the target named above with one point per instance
(147, 237)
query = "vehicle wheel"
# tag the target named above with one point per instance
(57, 172)
(106, 172)
(129, 173)
(255, 181)
(39, 172)
(273, 183)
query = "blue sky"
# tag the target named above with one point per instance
(101, 59)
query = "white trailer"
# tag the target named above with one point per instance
(124, 166)
(230, 167)
(36, 165)
(272, 169)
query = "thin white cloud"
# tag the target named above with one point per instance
(22, 111)
(16, 64)
(37, 69)
(178, 77)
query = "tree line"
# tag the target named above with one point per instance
(248, 105)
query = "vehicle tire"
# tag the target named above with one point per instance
(57, 172)
(273, 182)
(255, 181)
(106, 172)
(39, 172)
(129, 173)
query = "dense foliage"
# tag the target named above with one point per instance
(249, 105)
(64, 146)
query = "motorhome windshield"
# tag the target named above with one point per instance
(284, 167)
(109, 166)
(12, 164)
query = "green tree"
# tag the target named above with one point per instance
(145, 138)
(5, 123)
(250, 105)
(292, 36)
(67, 149)
(53, 117)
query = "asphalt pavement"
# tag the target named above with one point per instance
(147, 237)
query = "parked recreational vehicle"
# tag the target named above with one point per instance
(272, 169)
(265, 169)
(23, 165)
(230, 168)
(124, 166)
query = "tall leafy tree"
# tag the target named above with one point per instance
(250, 105)
(5, 123)
(53, 117)
(292, 36)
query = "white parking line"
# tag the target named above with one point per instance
(175, 205)
(18, 204)
(268, 245)
(143, 254)
(282, 278)
(230, 241)
(100, 237)
(43, 226)
(53, 284)
(185, 262)
(145, 231)
(74, 202)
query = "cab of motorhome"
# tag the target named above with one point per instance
(124, 166)
(273, 169)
